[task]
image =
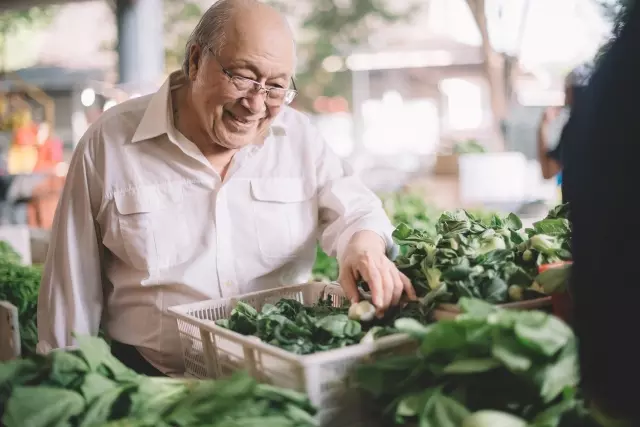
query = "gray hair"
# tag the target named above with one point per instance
(210, 31)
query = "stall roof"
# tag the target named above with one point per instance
(6, 5)
(52, 78)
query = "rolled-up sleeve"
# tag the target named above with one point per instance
(346, 206)
(71, 295)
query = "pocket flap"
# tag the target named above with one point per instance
(281, 190)
(147, 199)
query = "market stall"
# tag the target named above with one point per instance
(301, 355)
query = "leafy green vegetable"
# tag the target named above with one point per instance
(491, 259)
(89, 387)
(520, 363)
(291, 326)
(324, 326)
(19, 285)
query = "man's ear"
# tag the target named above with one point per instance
(195, 57)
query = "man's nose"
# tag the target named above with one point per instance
(254, 101)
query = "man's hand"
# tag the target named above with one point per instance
(365, 258)
(549, 115)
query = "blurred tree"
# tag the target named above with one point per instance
(180, 19)
(331, 28)
(13, 22)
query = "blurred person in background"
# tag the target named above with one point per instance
(556, 127)
(605, 237)
(209, 188)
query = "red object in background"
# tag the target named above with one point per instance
(26, 135)
(49, 155)
(561, 302)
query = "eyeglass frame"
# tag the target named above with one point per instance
(257, 86)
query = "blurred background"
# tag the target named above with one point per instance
(436, 103)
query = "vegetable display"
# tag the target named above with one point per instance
(89, 387)
(19, 285)
(521, 364)
(496, 260)
(304, 330)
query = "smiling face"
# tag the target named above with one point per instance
(259, 46)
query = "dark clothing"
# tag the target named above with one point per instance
(604, 205)
(569, 135)
(132, 358)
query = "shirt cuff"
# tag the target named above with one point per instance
(385, 232)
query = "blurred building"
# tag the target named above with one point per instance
(63, 86)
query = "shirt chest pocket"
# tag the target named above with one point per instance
(285, 215)
(153, 227)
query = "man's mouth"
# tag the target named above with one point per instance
(241, 121)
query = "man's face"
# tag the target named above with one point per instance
(232, 117)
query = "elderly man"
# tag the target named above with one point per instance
(209, 188)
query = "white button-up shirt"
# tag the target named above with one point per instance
(145, 223)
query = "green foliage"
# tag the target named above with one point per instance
(289, 325)
(517, 362)
(324, 326)
(90, 387)
(19, 285)
(334, 28)
(14, 21)
(180, 19)
(467, 257)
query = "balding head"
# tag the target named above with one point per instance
(239, 62)
(229, 19)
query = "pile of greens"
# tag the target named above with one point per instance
(89, 387)
(289, 325)
(523, 363)
(19, 285)
(494, 260)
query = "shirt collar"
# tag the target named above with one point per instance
(158, 118)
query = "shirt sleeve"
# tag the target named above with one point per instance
(346, 206)
(71, 296)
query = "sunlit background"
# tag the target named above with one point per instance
(400, 89)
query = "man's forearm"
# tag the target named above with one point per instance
(548, 165)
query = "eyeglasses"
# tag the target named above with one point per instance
(274, 95)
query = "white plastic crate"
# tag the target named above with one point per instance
(211, 351)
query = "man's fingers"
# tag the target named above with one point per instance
(398, 287)
(348, 284)
(371, 275)
(388, 283)
(408, 287)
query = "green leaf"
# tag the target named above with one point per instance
(42, 407)
(508, 350)
(100, 410)
(443, 411)
(513, 222)
(471, 366)
(411, 327)
(66, 368)
(96, 385)
(543, 333)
